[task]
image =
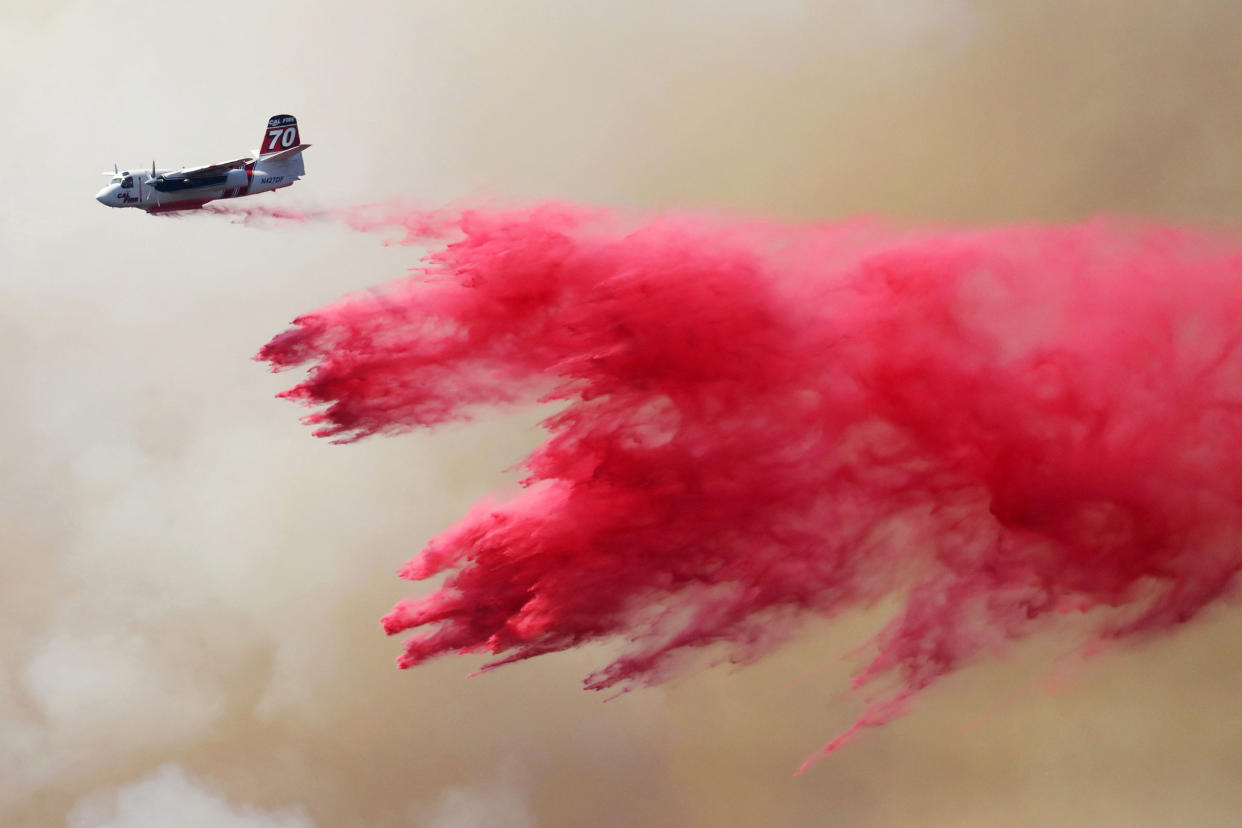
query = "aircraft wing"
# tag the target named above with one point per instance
(211, 169)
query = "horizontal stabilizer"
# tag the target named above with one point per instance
(289, 153)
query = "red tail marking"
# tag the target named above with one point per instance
(281, 134)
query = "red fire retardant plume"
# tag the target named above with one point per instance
(761, 423)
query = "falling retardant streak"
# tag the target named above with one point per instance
(760, 423)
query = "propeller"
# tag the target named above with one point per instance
(155, 177)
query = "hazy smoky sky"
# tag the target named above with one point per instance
(191, 584)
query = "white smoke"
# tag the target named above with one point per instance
(168, 797)
(500, 802)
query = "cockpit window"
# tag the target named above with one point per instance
(116, 180)
(128, 183)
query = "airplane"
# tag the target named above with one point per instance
(278, 163)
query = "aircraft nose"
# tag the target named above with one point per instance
(102, 197)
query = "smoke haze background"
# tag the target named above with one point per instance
(191, 583)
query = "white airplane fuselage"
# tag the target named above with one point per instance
(279, 164)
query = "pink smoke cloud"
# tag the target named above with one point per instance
(762, 423)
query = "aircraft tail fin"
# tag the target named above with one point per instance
(281, 137)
